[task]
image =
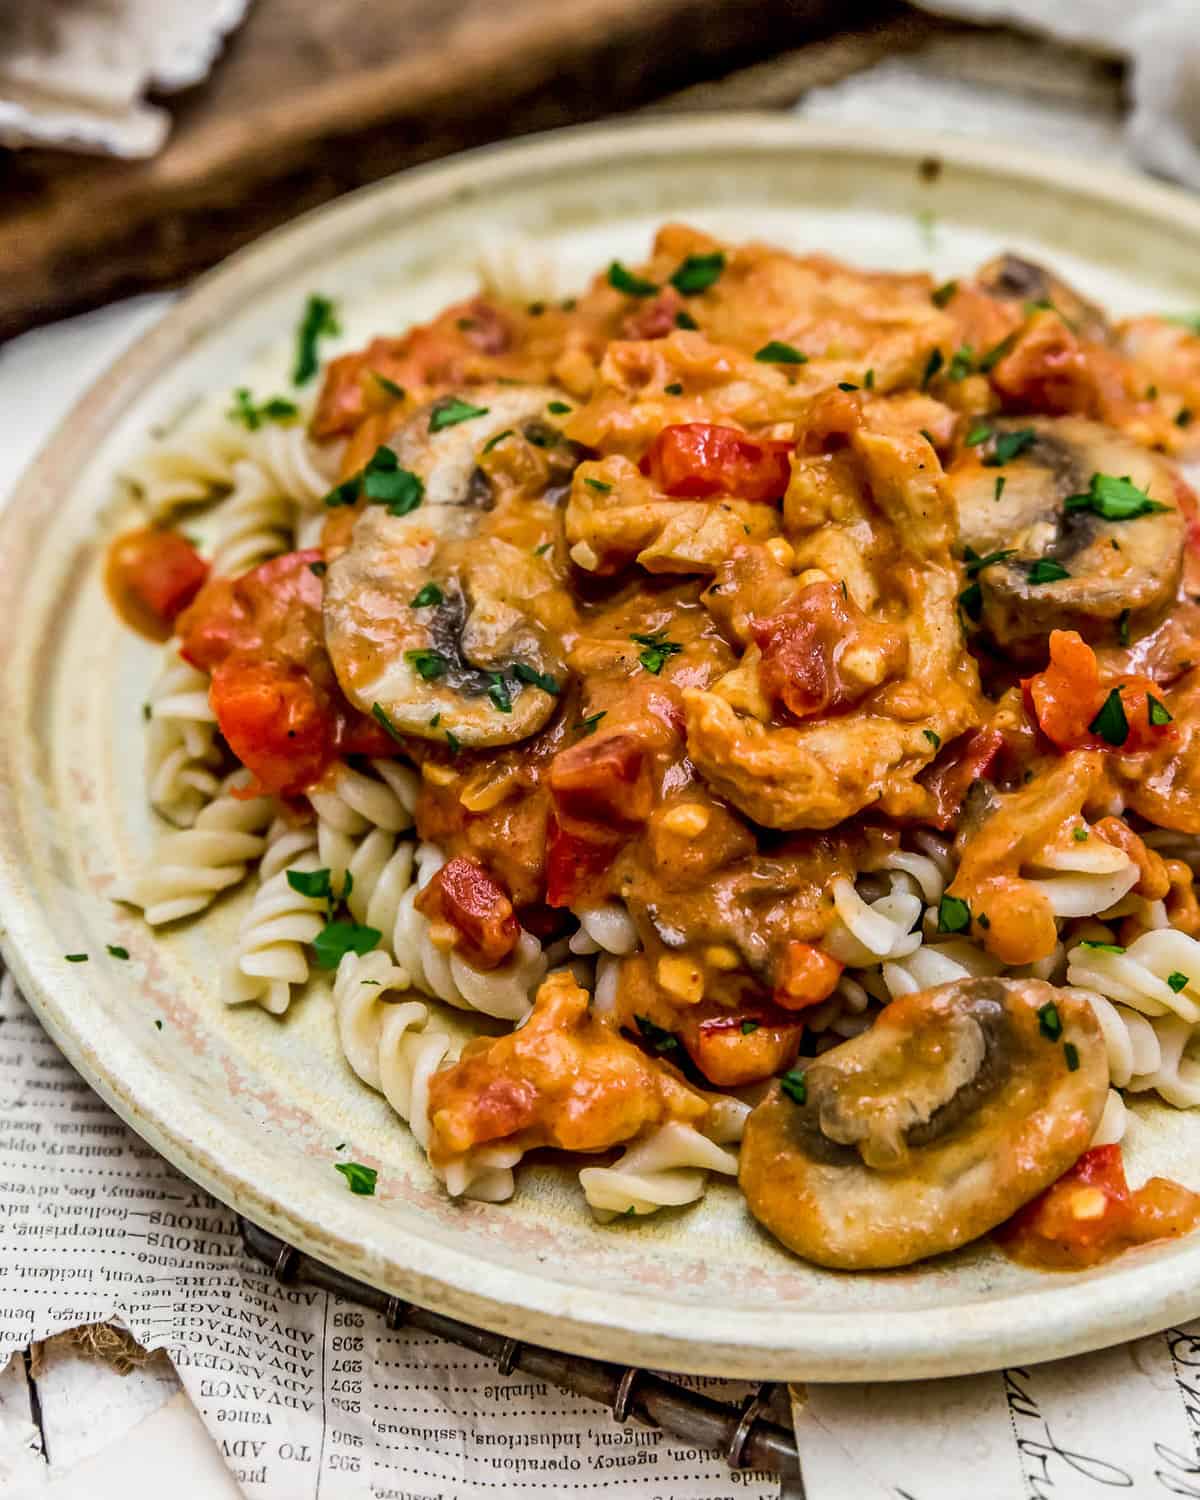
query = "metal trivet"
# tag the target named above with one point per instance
(743, 1435)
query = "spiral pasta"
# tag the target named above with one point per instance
(1158, 974)
(254, 521)
(190, 464)
(295, 466)
(665, 1168)
(182, 754)
(604, 929)
(516, 268)
(865, 933)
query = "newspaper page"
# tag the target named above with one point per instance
(307, 1396)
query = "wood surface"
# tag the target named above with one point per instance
(310, 100)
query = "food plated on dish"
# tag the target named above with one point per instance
(765, 689)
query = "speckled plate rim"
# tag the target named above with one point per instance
(1053, 1320)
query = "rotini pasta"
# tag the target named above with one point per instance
(664, 1169)
(182, 755)
(865, 933)
(253, 523)
(189, 465)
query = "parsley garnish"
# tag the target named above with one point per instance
(1177, 981)
(158, 1025)
(345, 493)
(147, 712)
(1071, 1053)
(360, 1179)
(846, 385)
(379, 714)
(776, 353)
(961, 363)
(749, 1027)
(1183, 418)
(535, 679)
(336, 939)
(559, 408)
(1080, 835)
(933, 737)
(453, 743)
(869, 381)
(588, 725)
(386, 483)
(994, 355)
(1046, 570)
(320, 318)
(954, 914)
(543, 549)
(451, 411)
(427, 594)
(314, 884)
(274, 409)
(1010, 445)
(979, 433)
(1158, 711)
(117, 951)
(427, 664)
(390, 386)
(684, 319)
(318, 569)
(1001, 481)
(944, 293)
(623, 280)
(928, 436)
(1123, 627)
(656, 1037)
(658, 649)
(1110, 723)
(932, 365)
(76, 958)
(976, 564)
(1102, 947)
(499, 438)
(698, 272)
(1050, 1022)
(795, 1085)
(498, 693)
(598, 484)
(674, 389)
(1114, 499)
(971, 600)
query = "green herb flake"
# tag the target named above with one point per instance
(1050, 1022)
(396, 392)
(698, 272)
(749, 1027)
(933, 737)
(319, 320)
(1010, 445)
(979, 433)
(795, 1085)
(846, 385)
(1184, 417)
(116, 951)
(954, 914)
(983, 920)
(1046, 570)
(776, 353)
(345, 493)
(928, 436)
(435, 721)
(76, 958)
(336, 939)
(869, 381)
(379, 714)
(674, 389)
(1102, 947)
(427, 594)
(1080, 835)
(1114, 499)
(427, 664)
(386, 483)
(1110, 723)
(944, 293)
(999, 490)
(359, 1179)
(558, 408)
(623, 280)
(992, 358)
(314, 884)
(499, 438)
(498, 693)
(601, 486)
(1071, 1053)
(932, 365)
(1158, 711)
(1123, 627)
(657, 1038)
(976, 564)
(147, 712)
(453, 743)
(962, 362)
(658, 649)
(452, 410)
(543, 549)
(684, 319)
(534, 678)
(971, 601)
(158, 1025)
(274, 409)
(588, 725)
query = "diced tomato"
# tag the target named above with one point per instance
(274, 724)
(151, 577)
(463, 894)
(573, 861)
(807, 976)
(755, 1042)
(1066, 698)
(276, 606)
(970, 759)
(603, 780)
(1090, 1214)
(655, 318)
(696, 460)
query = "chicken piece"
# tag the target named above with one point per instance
(960, 1105)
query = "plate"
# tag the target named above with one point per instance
(254, 1108)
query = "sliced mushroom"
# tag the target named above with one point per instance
(961, 1104)
(1011, 278)
(1122, 575)
(476, 655)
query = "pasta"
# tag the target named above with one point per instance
(692, 681)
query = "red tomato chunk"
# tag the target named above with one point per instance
(696, 460)
(465, 896)
(151, 576)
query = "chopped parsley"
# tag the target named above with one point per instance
(846, 385)
(976, 564)
(658, 649)
(657, 1038)
(158, 1025)
(698, 272)
(427, 594)
(869, 380)
(359, 1179)
(147, 712)
(932, 365)
(379, 714)
(543, 549)
(749, 1027)
(1046, 570)
(386, 483)
(588, 725)
(1102, 947)
(1071, 1053)
(499, 438)
(534, 678)
(944, 293)
(979, 433)
(452, 410)
(971, 601)
(1050, 1022)
(427, 664)
(776, 353)
(558, 408)
(983, 920)
(794, 1084)
(274, 409)
(435, 721)
(116, 951)
(1010, 445)
(1114, 499)
(396, 392)
(954, 914)
(1123, 627)
(600, 485)
(336, 939)
(498, 693)
(345, 493)
(1080, 835)
(684, 319)
(962, 362)
(994, 355)
(674, 389)
(320, 319)
(76, 958)
(623, 280)
(1177, 981)
(1158, 711)
(453, 744)
(928, 436)
(933, 737)
(1183, 418)
(318, 569)
(1001, 481)
(1110, 723)
(314, 884)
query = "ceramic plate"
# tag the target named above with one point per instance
(253, 1107)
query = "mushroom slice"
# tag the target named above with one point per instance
(961, 1104)
(446, 631)
(1011, 278)
(1124, 570)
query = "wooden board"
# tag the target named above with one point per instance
(312, 99)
